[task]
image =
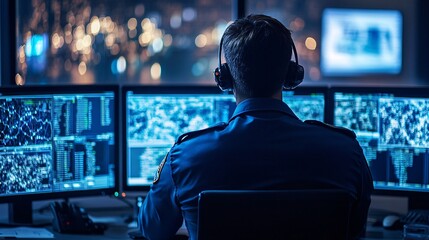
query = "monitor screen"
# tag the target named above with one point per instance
(392, 126)
(57, 142)
(154, 121)
(356, 42)
(156, 116)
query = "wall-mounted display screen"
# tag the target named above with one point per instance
(359, 42)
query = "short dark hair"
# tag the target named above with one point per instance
(258, 50)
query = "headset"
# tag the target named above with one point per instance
(294, 75)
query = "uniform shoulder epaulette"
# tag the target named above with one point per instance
(342, 130)
(193, 134)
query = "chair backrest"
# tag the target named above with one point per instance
(272, 214)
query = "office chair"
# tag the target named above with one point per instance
(272, 214)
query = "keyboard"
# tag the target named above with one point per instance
(416, 216)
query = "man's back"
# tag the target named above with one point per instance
(265, 146)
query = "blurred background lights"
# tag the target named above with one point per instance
(118, 65)
(146, 24)
(36, 45)
(132, 33)
(315, 74)
(19, 80)
(79, 32)
(139, 10)
(155, 71)
(176, 21)
(79, 45)
(95, 25)
(86, 41)
(218, 31)
(157, 45)
(168, 40)
(115, 49)
(114, 66)
(21, 54)
(297, 24)
(132, 23)
(199, 67)
(82, 68)
(189, 14)
(68, 65)
(121, 65)
(57, 40)
(144, 39)
(75, 41)
(109, 40)
(310, 43)
(201, 41)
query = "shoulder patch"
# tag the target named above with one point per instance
(342, 130)
(159, 170)
(193, 134)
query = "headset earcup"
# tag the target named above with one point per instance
(223, 77)
(294, 75)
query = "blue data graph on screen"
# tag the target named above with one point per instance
(25, 121)
(404, 122)
(394, 135)
(154, 122)
(56, 142)
(25, 124)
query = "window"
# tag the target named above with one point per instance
(303, 19)
(110, 41)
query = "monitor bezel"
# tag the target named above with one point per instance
(188, 89)
(417, 199)
(69, 89)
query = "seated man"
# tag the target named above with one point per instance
(263, 146)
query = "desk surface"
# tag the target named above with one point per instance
(121, 232)
(118, 228)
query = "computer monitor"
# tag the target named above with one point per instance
(392, 127)
(57, 142)
(155, 116)
(357, 42)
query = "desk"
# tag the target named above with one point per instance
(117, 226)
(113, 232)
(119, 229)
(121, 232)
(380, 233)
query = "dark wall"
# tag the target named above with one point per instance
(1, 41)
(422, 35)
(7, 42)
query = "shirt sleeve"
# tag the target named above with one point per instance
(160, 216)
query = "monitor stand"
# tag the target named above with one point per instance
(21, 212)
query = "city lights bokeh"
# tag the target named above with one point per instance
(84, 42)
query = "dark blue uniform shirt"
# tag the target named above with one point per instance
(263, 146)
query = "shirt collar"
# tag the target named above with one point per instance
(262, 104)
